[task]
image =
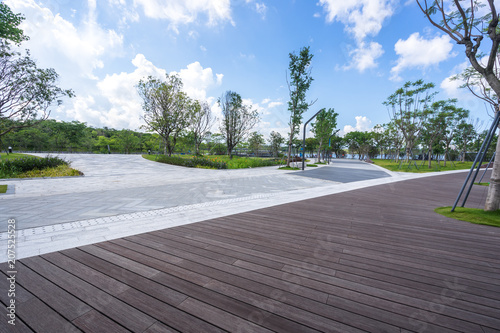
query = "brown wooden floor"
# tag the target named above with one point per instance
(376, 260)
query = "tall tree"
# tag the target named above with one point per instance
(463, 137)
(26, 92)
(408, 107)
(323, 127)
(255, 142)
(237, 120)
(201, 123)
(300, 81)
(275, 141)
(379, 138)
(433, 128)
(166, 108)
(464, 24)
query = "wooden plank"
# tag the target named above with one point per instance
(41, 318)
(132, 279)
(113, 308)
(84, 272)
(57, 298)
(94, 321)
(167, 314)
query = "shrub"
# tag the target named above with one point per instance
(193, 162)
(25, 164)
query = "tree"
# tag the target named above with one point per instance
(337, 144)
(379, 138)
(275, 141)
(434, 127)
(201, 122)
(464, 25)
(26, 92)
(452, 117)
(255, 142)
(323, 127)
(127, 141)
(237, 120)
(408, 106)
(300, 81)
(359, 142)
(9, 25)
(463, 136)
(166, 108)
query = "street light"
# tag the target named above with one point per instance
(304, 140)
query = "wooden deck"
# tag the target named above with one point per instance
(371, 260)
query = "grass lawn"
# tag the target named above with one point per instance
(14, 156)
(3, 188)
(482, 184)
(288, 168)
(311, 165)
(472, 215)
(234, 163)
(435, 166)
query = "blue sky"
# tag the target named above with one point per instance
(363, 51)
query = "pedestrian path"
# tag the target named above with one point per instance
(122, 195)
(372, 259)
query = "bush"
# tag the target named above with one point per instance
(194, 162)
(25, 164)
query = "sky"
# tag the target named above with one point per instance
(364, 50)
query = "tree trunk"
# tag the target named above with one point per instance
(289, 154)
(430, 158)
(318, 160)
(493, 198)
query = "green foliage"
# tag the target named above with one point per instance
(237, 119)
(408, 107)
(300, 80)
(255, 142)
(275, 141)
(167, 109)
(27, 91)
(323, 127)
(359, 143)
(191, 162)
(58, 171)
(214, 162)
(9, 25)
(15, 167)
(312, 165)
(3, 188)
(477, 216)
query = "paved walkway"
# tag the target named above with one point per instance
(376, 259)
(121, 195)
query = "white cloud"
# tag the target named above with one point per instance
(57, 43)
(363, 124)
(364, 56)
(197, 80)
(361, 18)
(114, 101)
(259, 7)
(418, 52)
(274, 104)
(187, 11)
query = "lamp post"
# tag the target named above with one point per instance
(304, 140)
